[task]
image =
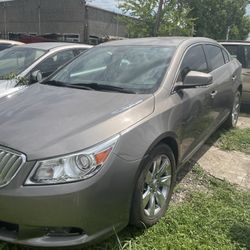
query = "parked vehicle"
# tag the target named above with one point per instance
(241, 51)
(97, 145)
(5, 44)
(26, 64)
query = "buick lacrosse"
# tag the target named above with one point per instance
(97, 145)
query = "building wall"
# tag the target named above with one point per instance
(104, 23)
(58, 16)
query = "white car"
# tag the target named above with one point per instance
(26, 64)
(5, 44)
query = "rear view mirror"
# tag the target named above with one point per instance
(195, 79)
(36, 76)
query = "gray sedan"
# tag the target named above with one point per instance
(97, 145)
(26, 64)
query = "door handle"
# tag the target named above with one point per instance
(234, 78)
(213, 94)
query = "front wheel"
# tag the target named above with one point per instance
(232, 119)
(154, 187)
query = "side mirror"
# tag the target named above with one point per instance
(36, 76)
(195, 79)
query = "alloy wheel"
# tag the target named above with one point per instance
(156, 186)
(236, 110)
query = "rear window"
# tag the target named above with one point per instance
(214, 56)
(226, 56)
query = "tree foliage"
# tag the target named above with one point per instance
(220, 19)
(173, 18)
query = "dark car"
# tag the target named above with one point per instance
(97, 145)
(241, 51)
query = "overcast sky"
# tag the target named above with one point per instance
(105, 4)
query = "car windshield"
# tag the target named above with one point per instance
(138, 69)
(16, 59)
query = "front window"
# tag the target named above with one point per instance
(16, 59)
(139, 69)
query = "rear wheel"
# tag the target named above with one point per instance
(154, 187)
(232, 119)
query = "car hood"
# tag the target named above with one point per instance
(44, 121)
(7, 84)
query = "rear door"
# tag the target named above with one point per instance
(222, 94)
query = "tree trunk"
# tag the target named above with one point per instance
(158, 18)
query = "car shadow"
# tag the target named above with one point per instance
(240, 235)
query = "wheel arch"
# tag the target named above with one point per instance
(169, 139)
(240, 88)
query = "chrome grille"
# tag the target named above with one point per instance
(10, 163)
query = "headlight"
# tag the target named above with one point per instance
(73, 167)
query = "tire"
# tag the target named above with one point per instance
(232, 119)
(155, 186)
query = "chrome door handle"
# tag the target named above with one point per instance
(213, 94)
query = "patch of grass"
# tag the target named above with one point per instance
(235, 139)
(219, 219)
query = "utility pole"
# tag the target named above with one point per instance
(39, 18)
(117, 20)
(5, 20)
(85, 22)
(158, 18)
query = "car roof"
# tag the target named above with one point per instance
(54, 45)
(236, 42)
(158, 41)
(10, 42)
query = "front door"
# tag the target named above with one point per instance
(195, 103)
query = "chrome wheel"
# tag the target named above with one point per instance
(156, 186)
(236, 110)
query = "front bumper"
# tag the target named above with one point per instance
(93, 208)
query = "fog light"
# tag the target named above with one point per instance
(63, 231)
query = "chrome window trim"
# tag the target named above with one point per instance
(187, 49)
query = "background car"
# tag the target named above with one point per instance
(241, 51)
(5, 44)
(26, 64)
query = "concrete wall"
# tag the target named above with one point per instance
(57, 16)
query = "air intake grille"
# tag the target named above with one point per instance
(10, 163)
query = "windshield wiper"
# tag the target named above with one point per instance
(63, 84)
(104, 87)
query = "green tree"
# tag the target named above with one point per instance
(156, 17)
(220, 19)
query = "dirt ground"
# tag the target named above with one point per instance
(232, 166)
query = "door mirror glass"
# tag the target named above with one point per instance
(36, 76)
(195, 79)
